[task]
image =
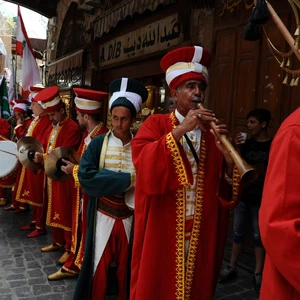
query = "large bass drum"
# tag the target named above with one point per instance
(8, 163)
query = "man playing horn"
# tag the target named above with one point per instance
(183, 190)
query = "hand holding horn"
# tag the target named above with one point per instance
(246, 171)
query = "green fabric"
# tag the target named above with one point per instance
(96, 183)
(4, 105)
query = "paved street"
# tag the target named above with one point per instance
(239, 289)
(24, 268)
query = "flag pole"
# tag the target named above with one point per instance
(14, 72)
(15, 76)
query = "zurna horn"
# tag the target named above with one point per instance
(246, 171)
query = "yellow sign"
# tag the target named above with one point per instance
(231, 5)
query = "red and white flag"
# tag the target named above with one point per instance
(30, 70)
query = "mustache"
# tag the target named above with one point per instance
(197, 99)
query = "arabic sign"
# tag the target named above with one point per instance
(230, 5)
(156, 36)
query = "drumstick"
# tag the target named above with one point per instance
(5, 139)
(9, 153)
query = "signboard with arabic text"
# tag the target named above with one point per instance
(154, 37)
(231, 5)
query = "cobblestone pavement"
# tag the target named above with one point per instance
(24, 268)
(239, 289)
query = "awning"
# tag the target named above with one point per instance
(70, 61)
(119, 12)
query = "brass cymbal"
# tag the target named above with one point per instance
(26, 148)
(53, 162)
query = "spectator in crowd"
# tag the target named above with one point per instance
(255, 151)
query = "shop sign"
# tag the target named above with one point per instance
(154, 37)
(231, 5)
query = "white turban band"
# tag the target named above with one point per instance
(134, 98)
(181, 68)
(22, 106)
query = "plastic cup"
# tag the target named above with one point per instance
(244, 135)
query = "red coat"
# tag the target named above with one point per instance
(163, 170)
(279, 216)
(21, 129)
(30, 185)
(4, 129)
(61, 194)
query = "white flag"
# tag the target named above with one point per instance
(30, 70)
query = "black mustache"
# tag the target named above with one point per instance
(198, 100)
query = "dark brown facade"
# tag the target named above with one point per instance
(245, 75)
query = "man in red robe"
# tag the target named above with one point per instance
(4, 135)
(64, 132)
(88, 106)
(279, 214)
(23, 122)
(186, 181)
(31, 185)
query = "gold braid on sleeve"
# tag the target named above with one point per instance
(75, 176)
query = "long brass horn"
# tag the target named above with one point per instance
(246, 171)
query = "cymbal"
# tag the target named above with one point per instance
(26, 148)
(53, 162)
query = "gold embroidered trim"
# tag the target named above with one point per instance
(75, 176)
(180, 244)
(69, 270)
(190, 268)
(77, 212)
(29, 202)
(103, 151)
(180, 216)
(78, 260)
(177, 159)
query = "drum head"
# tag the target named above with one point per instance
(8, 157)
